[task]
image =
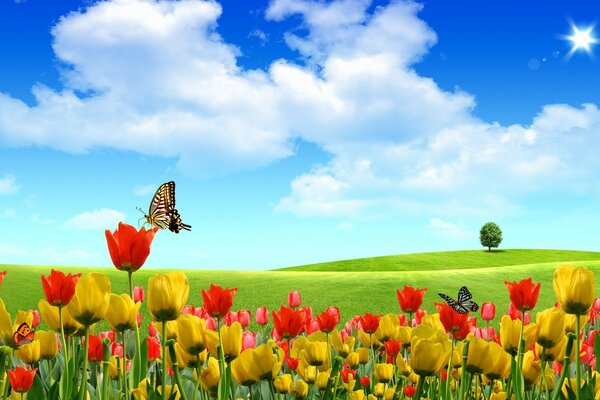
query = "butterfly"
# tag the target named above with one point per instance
(23, 335)
(463, 304)
(162, 212)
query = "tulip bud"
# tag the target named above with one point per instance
(248, 340)
(294, 299)
(363, 355)
(243, 317)
(488, 311)
(410, 390)
(365, 381)
(597, 304)
(152, 330)
(117, 350)
(188, 310)
(138, 294)
(110, 335)
(211, 324)
(36, 318)
(262, 316)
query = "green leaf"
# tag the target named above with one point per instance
(37, 390)
(597, 348)
(140, 363)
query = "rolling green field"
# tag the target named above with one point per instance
(354, 291)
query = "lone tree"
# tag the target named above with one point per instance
(490, 235)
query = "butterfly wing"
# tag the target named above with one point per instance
(23, 335)
(176, 224)
(464, 294)
(470, 305)
(162, 204)
(456, 306)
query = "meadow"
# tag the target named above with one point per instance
(355, 286)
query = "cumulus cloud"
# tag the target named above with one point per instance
(102, 218)
(8, 185)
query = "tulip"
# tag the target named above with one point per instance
(231, 341)
(153, 348)
(322, 380)
(550, 325)
(516, 314)
(91, 300)
(210, 377)
(113, 370)
(571, 322)
(261, 316)
(256, 364)
(531, 370)
(116, 349)
(36, 318)
(187, 360)
(384, 372)
(138, 294)
(410, 299)
(289, 322)
(488, 311)
(363, 355)
(123, 312)
(478, 356)
(59, 288)
(191, 333)
(21, 379)
(7, 327)
(365, 381)
(248, 340)
(141, 393)
(2, 275)
(596, 306)
(452, 321)
(29, 353)
(403, 368)
(171, 331)
(50, 316)
(410, 390)
(430, 354)
(95, 349)
(48, 344)
(574, 288)
(498, 366)
(308, 372)
(283, 383)
(128, 247)
(294, 299)
(167, 295)
(243, 317)
(358, 395)
(370, 322)
(524, 294)
(342, 347)
(299, 389)
(379, 390)
(218, 301)
(510, 332)
(329, 319)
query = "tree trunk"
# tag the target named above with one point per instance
(489, 248)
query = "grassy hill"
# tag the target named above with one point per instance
(463, 259)
(354, 291)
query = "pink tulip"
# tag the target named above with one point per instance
(211, 323)
(349, 327)
(516, 314)
(262, 316)
(294, 299)
(243, 317)
(312, 326)
(230, 318)
(344, 335)
(110, 335)
(117, 350)
(488, 311)
(36, 318)
(596, 306)
(188, 310)
(138, 294)
(248, 340)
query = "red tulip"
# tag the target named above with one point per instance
(488, 311)
(116, 349)
(2, 275)
(452, 321)
(138, 294)
(392, 347)
(243, 317)
(444, 375)
(294, 299)
(152, 331)
(410, 390)
(129, 247)
(248, 340)
(356, 323)
(312, 326)
(402, 319)
(516, 314)
(188, 310)
(292, 363)
(218, 301)
(110, 335)
(36, 318)
(370, 322)
(96, 349)
(419, 316)
(329, 319)
(262, 315)
(523, 295)
(365, 381)
(21, 379)
(410, 299)
(288, 322)
(346, 372)
(58, 288)
(153, 348)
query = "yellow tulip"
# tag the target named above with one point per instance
(510, 332)
(389, 327)
(559, 351)
(140, 392)
(185, 359)
(404, 333)
(49, 314)
(379, 390)
(357, 395)
(7, 327)
(242, 371)
(123, 312)
(171, 329)
(384, 372)
(283, 383)
(430, 355)
(167, 295)
(191, 333)
(550, 325)
(257, 364)
(231, 339)
(210, 376)
(342, 348)
(403, 369)
(48, 344)
(307, 372)
(322, 379)
(571, 320)
(91, 300)
(352, 359)
(531, 369)
(389, 393)
(574, 288)
(29, 353)
(315, 353)
(113, 369)
(368, 340)
(499, 396)
(299, 389)
(498, 366)
(433, 320)
(363, 355)
(478, 356)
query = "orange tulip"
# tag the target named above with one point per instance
(129, 247)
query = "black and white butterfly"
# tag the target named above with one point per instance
(162, 212)
(463, 304)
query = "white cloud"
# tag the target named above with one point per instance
(261, 35)
(8, 185)
(103, 218)
(449, 230)
(144, 190)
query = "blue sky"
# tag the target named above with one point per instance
(297, 131)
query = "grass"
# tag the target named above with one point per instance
(354, 292)
(464, 259)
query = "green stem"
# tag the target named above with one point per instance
(125, 391)
(565, 367)
(83, 388)
(577, 356)
(419, 387)
(544, 379)
(62, 334)
(137, 359)
(164, 359)
(105, 379)
(197, 383)
(449, 370)
(464, 369)
(175, 367)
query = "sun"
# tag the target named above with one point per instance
(581, 39)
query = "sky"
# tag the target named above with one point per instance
(297, 131)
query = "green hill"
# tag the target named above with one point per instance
(463, 259)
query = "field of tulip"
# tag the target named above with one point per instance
(97, 345)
